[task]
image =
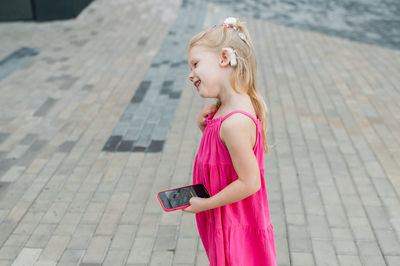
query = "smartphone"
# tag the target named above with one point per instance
(178, 198)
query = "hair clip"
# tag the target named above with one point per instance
(231, 22)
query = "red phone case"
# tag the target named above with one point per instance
(174, 209)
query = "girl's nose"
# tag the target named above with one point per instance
(191, 76)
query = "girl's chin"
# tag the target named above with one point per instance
(202, 95)
(205, 93)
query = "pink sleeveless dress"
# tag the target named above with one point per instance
(240, 233)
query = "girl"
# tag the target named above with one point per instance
(234, 224)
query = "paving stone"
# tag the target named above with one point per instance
(148, 224)
(112, 143)
(82, 236)
(388, 242)
(19, 210)
(66, 146)
(373, 260)
(97, 249)
(31, 153)
(188, 222)
(17, 240)
(116, 257)
(3, 136)
(392, 206)
(318, 227)
(302, 258)
(54, 249)
(361, 228)
(108, 224)
(186, 250)
(5, 262)
(55, 213)
(336, 215)
(378, 217)
(13, 174)
(68, 223)
(68, 82)
(393, 260)
(9, 252)
(141, 91)
(349, 260)
(324, 252)
(3, 187)
(353, 206)
(141, 250)
(166, 238)
(29, 222)
(41, 235)
(369, 248)
(27, 256)
(71, 257)
(299, 240)
(45, 107)
(124, 237)
(202, 259)
(345, 247)
(161, 258)
(17, 59)
(28, 139)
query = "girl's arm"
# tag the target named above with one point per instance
(202, 115)
(238, 132)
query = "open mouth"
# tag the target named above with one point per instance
(197, 83)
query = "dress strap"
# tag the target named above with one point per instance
(241, 112)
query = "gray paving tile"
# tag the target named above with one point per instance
(28, 139)
(3, 187)
(16, 59)
(6, 164)
(66, 146)
(3, 136)
(46, 107)
(68, 83)
(32, 151)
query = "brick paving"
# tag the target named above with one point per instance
(333, 172)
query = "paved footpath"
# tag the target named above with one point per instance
(96, 116)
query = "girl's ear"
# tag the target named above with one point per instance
(228, 57)
(225, 58)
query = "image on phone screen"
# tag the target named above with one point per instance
(177, 198)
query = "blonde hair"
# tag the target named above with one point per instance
(244, 74)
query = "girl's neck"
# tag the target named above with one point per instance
(228, 95)
(231, 100)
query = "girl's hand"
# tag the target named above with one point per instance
(197, 205)
(203, 115)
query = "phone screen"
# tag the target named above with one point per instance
(175, 198)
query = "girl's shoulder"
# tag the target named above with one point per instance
(226, 113)
(238, 126)
(239, 115)
(238, 120)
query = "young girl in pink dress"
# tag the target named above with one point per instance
(234, 223)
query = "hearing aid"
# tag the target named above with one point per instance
(232, 54)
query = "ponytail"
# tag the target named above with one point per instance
(262, 113)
